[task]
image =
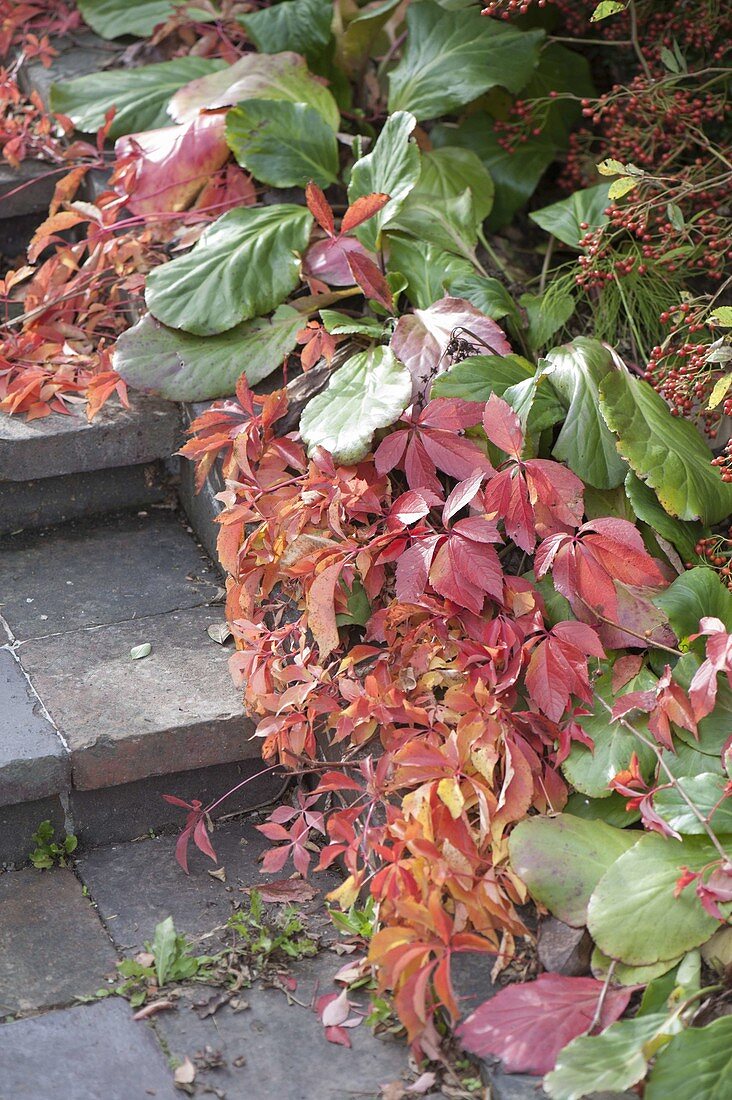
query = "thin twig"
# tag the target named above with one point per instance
(602, 998)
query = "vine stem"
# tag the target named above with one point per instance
(672, 780)
(602, 998)
(635, 40)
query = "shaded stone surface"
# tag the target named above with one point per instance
(564, 950)
(49, 500)
(201, 508)
(135, 886)
(33, 760)
(83, 53)
(90, 1052)
(52, 945)
(19, 821)
(27, 189)
(127, 719)
(107, 571)
(113, 814)
(59, 444)
(287, 1056)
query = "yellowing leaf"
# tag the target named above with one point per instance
(346, 894)
(606, 8)
(449, 792)
(722, 316)
(611, 167)
(719, 392)
(622, 186)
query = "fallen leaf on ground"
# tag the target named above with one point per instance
(287, 890)
(219, 873)
(184, 1076)
(153, 1009)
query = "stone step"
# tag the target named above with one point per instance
(62, 467)
(89, 737)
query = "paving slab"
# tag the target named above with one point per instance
(19, 821)
(27, 189)
(78, 54)
(136, 885)
(126, 719)
(53, 947)
(128, 811)
(51, 500)
(98, 572)
(67, 444)
(90, 1052)
(33, 760)
(283, 1046)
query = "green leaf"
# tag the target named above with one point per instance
(355, 42)
(611, 1062)
(447, 173)
(342, 324)
(719, 391)
(559, 70)
(181, 367)
(699, 1054)
(675, 215)
(164, 948)
(622, 186)
(722, 316)
(610, 810)
(546, 313)
(663, 450)
(610, 167)
(647, 507)
(688, 760)
(429, 270)
(606, 8)
(392, 168)
(300, 25)
(369, 392)
(628, 975)
(563, 219)
(113, 18)
(585, 443)
(244, 265)
(452, 57)
(705, 791)
(449, 224)
(139, 96)
(283, 76)
(696, 594)
(139, 651)
(515, 174)
(282, 144)
(590, 771)
(488, 295)
(633, 915)
(476, 378)
(561, 859)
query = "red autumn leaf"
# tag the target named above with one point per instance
(558, 667)
(328, 260)
(370, 279)
(432, 442)
(462, 565)
(320, 208)
(321, 609)
(526, 1025)
(535, 496)
(585, 566)
(666, 703)
(363, 209)
(703, 688)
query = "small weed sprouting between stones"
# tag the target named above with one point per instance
(47, 851)
(254, 945)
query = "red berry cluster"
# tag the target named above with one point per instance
(724, 464)
(679, 368)
(717, 551)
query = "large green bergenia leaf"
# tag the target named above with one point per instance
(559, 70)
(449, 224)
(699, 1058)
(369, 392)
(647, 507)
(354, 43)
(243, 266)
(585, 442)
(448, 173)
(283, 144)
(564, 219)
(281, 76)
(697, 594)
(515, 173)
(139, 96)
(429, 270)
(182, 367)
(561, 859)
(452, 57)
(607, 1063)
(705, 791)
(476, 378)
(633, 914)
(392, 168)
(114, 18)
(302, 25)
(663, 450)
(590, 770)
